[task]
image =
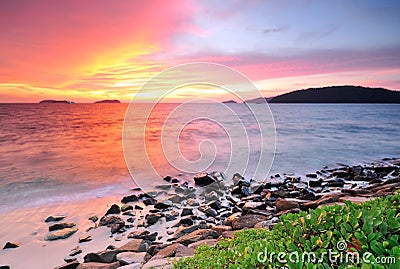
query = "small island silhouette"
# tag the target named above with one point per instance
(56, 102)
(108, 102)
(335, 94)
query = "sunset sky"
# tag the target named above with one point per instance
(90, 50)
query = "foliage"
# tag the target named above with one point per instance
(371, 227)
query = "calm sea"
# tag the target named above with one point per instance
(54, 152)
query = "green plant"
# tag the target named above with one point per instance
(371, 227)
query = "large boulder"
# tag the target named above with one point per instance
(135, 245)
(203, 179)
(285, 204)
(105, 256)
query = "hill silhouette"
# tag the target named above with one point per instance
(340, 94)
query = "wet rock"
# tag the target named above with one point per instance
(152, 218)
(188, 221)
(340, 173)
(336, 182)
(149, 201)
(126, 258)
(285, 204)
(221, 228)
(208, 242)
(267, 223)
(75, 251)
(60, 234)
(331, 198)
(253, 205)
(108, 220)
(70, 259)
(208, 211)
(203, 179)
(117, 227)
(11, 245)
(85, 238)
(125, 208)
(312, 175)
(167, 178)
(97, 265)
(54, 218)
(114, 209)
(170, 217)
(314, 183)
(163, 204)
(105, 256)
(247, 221)
(182, 230)
(59, 226)
(197, 236)
(164, 186)
(187, 212)
(135, 245)
(130, 198)
(174, 250)
(216, 204)
(93, 218)
(143, 234)
(70, 265)
(175, 198)
(228, 220)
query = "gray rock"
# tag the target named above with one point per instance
(105, 256)
(186, 212)
(126, 258)
(175, 198)
(163, 204)
(152, 218)
(54, 218)
(60, 234)
(135, 245)
(11, 245)
(247, 221)
(97, 265)
(114, 209)
(63, 225)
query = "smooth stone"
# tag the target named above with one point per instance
(85, 238)
(135, 245)
(97, 265)
(69, 259)
(130, 198)
(152, 218)
(105, 256)
(108, 220)
(75, 251)
(60, 234)
(197, 236)
(174, 250)
(114, 209)
(126, 258)
(328, 198)
(253, 205)
(312, 175)
(163, 204)
(221, 228)
(192, 202)
(12, 245)
(187, 212)
(355, 199)
(267, 223)
(203, 179)
(149, 201)
(126, 208)
(176, 198)
(93, 218)
(59, 226)
(285, 204)
(159, 264)
(228, 220)
(54, 218)
(167, 178)
(247, 221)
(208, 242)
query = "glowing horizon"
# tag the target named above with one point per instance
(84, 52)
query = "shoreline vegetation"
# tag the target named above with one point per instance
(220, 225)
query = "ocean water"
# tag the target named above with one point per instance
(52, 153)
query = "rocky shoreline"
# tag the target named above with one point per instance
(177, 217)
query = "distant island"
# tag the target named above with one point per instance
(108, 102)
(336, 94)
(230, 102)
(56, 102)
